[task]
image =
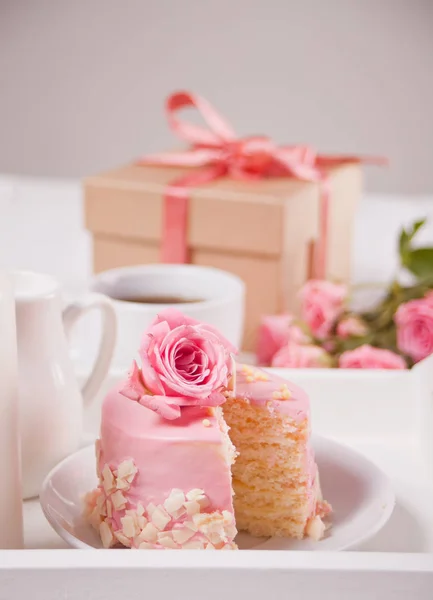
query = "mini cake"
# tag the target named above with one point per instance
(164, 455)
(165, 459)
(275, 477)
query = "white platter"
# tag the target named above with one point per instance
(360, 493)
(385, 415)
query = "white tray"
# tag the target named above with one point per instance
(387, 415)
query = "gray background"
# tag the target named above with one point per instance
(82, 83)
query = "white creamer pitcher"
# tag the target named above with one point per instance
(50, 401)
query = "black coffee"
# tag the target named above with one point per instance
(159, 299)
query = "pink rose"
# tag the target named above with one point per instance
(294, 356)
(351, 327)
(414, 321)
(184, 363)
(276, 331)
(322, 302)
(367, 357)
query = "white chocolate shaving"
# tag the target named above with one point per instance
(181, 536)
(168, 542)
(141, 521)
(192, 507)
(127, 470)
(122, 538)
(108, 480)
(101, 506)
(129, 526)
(194, 493)
(106, 535)
(160, 518)
(149, 533)
(95, 518)
(174, 502)
(122, 484)
(193, 545)
(316, 529)
(118, 500)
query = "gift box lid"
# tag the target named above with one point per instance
(226, 214)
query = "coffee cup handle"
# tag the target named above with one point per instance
(71, 315)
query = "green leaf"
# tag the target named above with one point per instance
(354, 342)
(406, 238)
(420, 262)
(403, 243)
(387, 339)
(417, 225)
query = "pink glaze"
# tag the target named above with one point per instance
(296, 407)
(185, 453)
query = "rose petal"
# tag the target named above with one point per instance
(297, 356)
(215, 399)
(368, 357)
(133, 387)
(150, 376)
(414, 320)
(170, 376)
(160, 405)
(158, 331)
(224, 341)
(173, 318)
(322, 302)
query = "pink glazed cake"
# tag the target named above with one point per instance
(193, 448)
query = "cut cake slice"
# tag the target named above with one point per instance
(275, 477)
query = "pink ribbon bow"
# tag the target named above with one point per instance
(219, 152)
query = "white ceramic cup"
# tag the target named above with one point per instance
(220, 302)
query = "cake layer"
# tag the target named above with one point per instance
(277, 492)
(261, 388)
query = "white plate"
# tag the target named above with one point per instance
(360, 494)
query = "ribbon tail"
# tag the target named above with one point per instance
(174, 249)
(321, 248)
(219, 130)
(325, 160)
(196, 157)
(174, 237)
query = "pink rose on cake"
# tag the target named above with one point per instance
(276, 331)
(296, 356)
(367, 357)
(322, 302)
(183, 363)
(414, 321)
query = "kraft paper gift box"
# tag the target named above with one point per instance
(274, 215)
(264, 231)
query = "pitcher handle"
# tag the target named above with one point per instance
(75, 311)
